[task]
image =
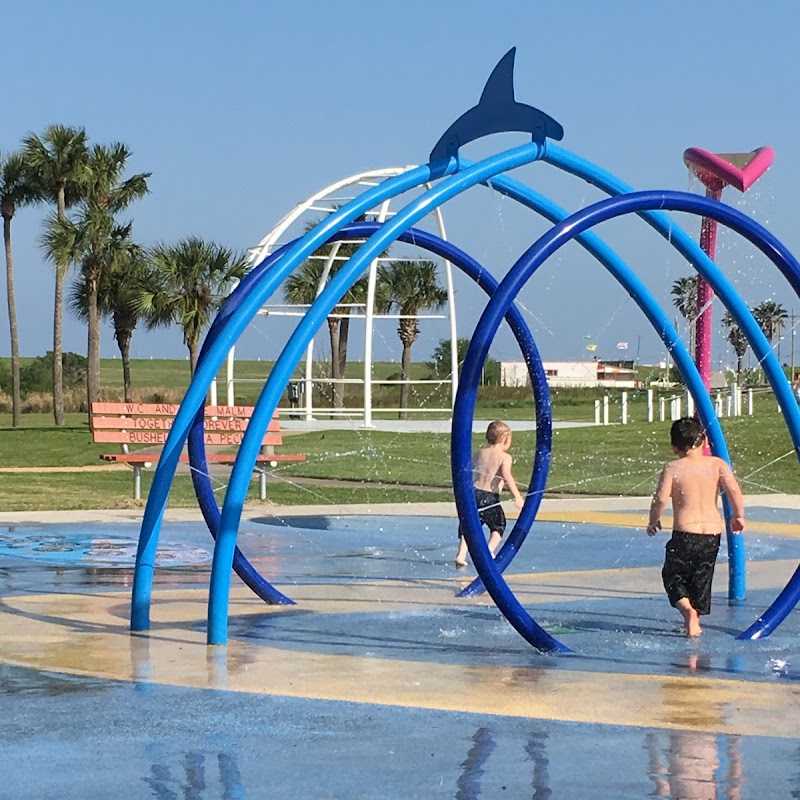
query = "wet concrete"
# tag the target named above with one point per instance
(380, 682)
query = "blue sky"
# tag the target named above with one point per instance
(241, 110)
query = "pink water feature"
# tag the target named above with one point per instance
(716, 171)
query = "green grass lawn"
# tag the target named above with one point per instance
(166, 380)
(614, 460)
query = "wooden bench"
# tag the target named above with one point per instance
(148, 424)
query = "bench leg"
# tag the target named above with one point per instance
(137, 481)
(262, 484)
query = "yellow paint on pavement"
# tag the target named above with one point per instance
(87, 635)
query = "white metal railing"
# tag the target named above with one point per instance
(728, 402)
(357, 412)
(325, 201)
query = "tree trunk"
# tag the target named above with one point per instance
(58, 326)
(16, 400)
(339, 388)
(93, 349)
(123, 337)
(405, 373)
(739, 360)
(58, 369)
(333, 331)
(408, 332)
(194, 354)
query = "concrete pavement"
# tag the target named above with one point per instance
(380, 683)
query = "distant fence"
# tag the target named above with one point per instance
(734, 401)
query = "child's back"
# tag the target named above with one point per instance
(694, 482)
(490, 467)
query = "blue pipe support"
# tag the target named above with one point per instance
(691, 244)
(284, 367)
(606, 256)
(545, 247)
(240, 565)
(485, 281)
(650, 307)
(514, 540)
(463, 410)
(221, 624)
(197, 451)
(691, 250)
(205, 373)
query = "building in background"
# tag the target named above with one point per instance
(576, 374)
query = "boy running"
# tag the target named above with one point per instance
(692, 482)
(491, 468)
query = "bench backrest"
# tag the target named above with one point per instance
(149, 424)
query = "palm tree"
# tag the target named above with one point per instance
(119, 290)
(57, 161)
(737, 340)
(306, 282)
(302, 288)
(409, 287)
(94, 239)
(684, 292)
(192, 279)
(771, 318)
(15, 191)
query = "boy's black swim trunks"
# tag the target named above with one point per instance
(490, 511)
(689, 568)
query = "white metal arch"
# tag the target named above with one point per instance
(322, 202)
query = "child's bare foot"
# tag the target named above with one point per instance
(690, 617)
(460, 564)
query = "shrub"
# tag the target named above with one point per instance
(5, 378)
(37, 376)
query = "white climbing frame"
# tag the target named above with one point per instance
(323, 202)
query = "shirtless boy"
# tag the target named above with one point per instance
(491, 468)
(693, 481)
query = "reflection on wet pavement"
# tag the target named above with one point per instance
(380, 682)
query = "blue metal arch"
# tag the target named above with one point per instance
(204, 374)
(281, 373)
(512, 543)
(203, 489)
(195, 395)
(196, 443)
(219, 587)
(510, 286)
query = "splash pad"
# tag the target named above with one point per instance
(450, 174)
